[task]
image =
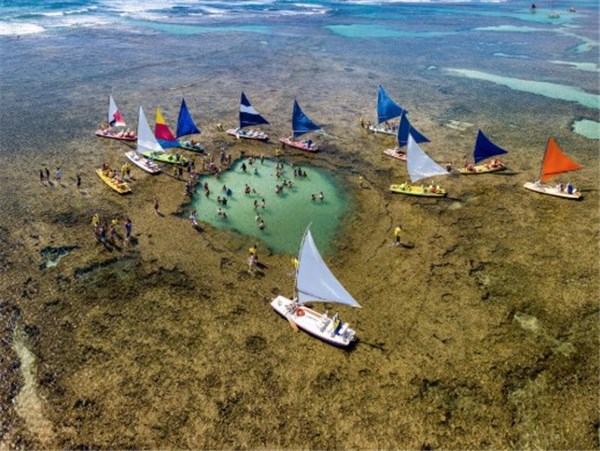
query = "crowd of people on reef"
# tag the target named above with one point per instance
(45, 177)
(106, 232)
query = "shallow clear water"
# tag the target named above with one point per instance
(286, 215)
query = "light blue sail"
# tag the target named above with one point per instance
(185, 123)
(386, 108)
(484, 148)
(314, 281)
(405, 129)
(419, 164)
(248, 115)
(301, 123)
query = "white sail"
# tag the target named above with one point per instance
(114, 117)
(314, 280)
(419, 164)
(145, 138)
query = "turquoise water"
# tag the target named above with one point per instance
(552, 90)
(588, 128)
(285, 215)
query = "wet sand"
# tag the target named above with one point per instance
(482, 334)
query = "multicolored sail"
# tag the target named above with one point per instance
(248, 115)
(163, 133)
(419, 164)
(405, 129)
(114, 117)
(556, 162)
(484, 148)
(185, 123)
(301, 123)
(386, 108)
(146, 140)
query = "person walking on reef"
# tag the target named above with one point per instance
(58, 175)
(128, 228)
(78, 180)
(156, 206)
(397, 234)
(41, 177)
(47, 174)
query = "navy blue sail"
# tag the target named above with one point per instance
(185, 123)
(301, 123)
(386, 108)
(248, 115)
(404, 130)
(484, 148)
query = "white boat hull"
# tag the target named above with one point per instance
(242, 134)
(552, 191)
(383, 130)
(314, 323)
(142, 162)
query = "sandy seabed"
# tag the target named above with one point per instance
(481, 333)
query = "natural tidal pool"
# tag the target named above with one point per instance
(285, 214)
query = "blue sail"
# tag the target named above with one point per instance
(386, 108)
(248, 115)
(185, 123)
(301, 123)
(484, 148)
(404, 130)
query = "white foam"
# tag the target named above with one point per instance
(587, 67)
(18, 29)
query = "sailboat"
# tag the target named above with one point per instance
(404, 130)
(146, 142)
(186, 126)
(154, 150)
(420, 166)
(163, 133)
(484, 148)
(555, 163)
(301, 124)
(114, 119)
(248, 117)
(316, 283)
(387, 110)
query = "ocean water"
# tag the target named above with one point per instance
(286, 215)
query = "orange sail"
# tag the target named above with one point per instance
(556, 162)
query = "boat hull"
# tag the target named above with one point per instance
(383, 130)
(142, 162)
(299, 145)
(121, 188)
(117, 136)
(481, 169)
(192, 148)
(241, 134)
(311, 322)
(166, 158)
(397, 154)
(552, 191)
(413, 190)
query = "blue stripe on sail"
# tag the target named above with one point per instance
(386, 108)
(185, 123)
(248, 115)
(484, 148)
(165, 144)
(405, 128)
(301, 123)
